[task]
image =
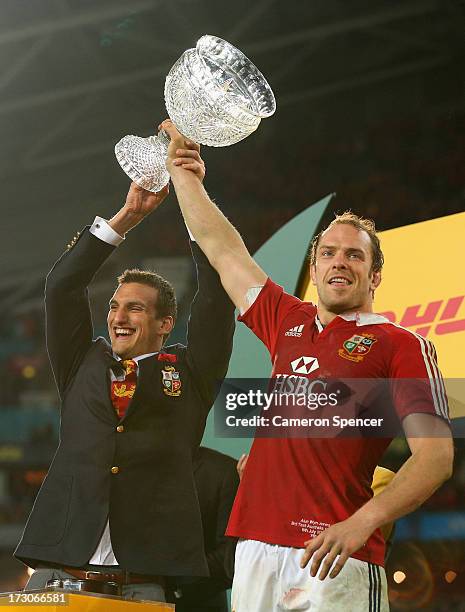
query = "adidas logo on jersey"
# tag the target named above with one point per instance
(295, 331)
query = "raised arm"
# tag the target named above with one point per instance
(210, 329)
(215, 235)
(68, 317)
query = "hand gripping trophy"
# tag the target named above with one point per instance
(214, 95)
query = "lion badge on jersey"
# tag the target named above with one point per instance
(171, 381)
(356, 347)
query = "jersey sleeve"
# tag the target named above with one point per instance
(417, 385)
(266, 314)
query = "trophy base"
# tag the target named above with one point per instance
(144, 160)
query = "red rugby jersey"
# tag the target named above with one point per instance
(293, 488)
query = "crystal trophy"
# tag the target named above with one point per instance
(214, 95)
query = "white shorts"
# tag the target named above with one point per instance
(268, 578)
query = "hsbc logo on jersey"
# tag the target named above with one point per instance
(305, 365)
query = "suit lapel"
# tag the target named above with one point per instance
(111, 365)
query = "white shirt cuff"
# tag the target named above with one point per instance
(102, 230)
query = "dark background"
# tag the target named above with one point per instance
(370, 104)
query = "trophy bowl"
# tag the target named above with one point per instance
(214, 95)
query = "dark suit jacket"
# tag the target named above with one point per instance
(151, 502)
(216, 480)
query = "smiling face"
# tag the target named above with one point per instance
(133, 325)
(343, 272)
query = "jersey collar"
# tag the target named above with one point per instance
(364, 318)
(360, 318)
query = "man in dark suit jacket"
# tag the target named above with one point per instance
(216, 480)
(119, 500)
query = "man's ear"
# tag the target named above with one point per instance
(375, 280)
(312, 268)
(166, 325)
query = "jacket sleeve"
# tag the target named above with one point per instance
(210, 329)
(69, 328)
(221, 559)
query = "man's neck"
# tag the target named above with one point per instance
(326, 316)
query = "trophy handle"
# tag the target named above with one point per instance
(144, 160)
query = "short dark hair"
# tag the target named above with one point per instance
(366, 225)
(165, 305)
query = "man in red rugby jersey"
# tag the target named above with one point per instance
(296, 488)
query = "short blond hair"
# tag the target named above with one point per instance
(365, 225)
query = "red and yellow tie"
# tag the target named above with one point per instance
(123, 390)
